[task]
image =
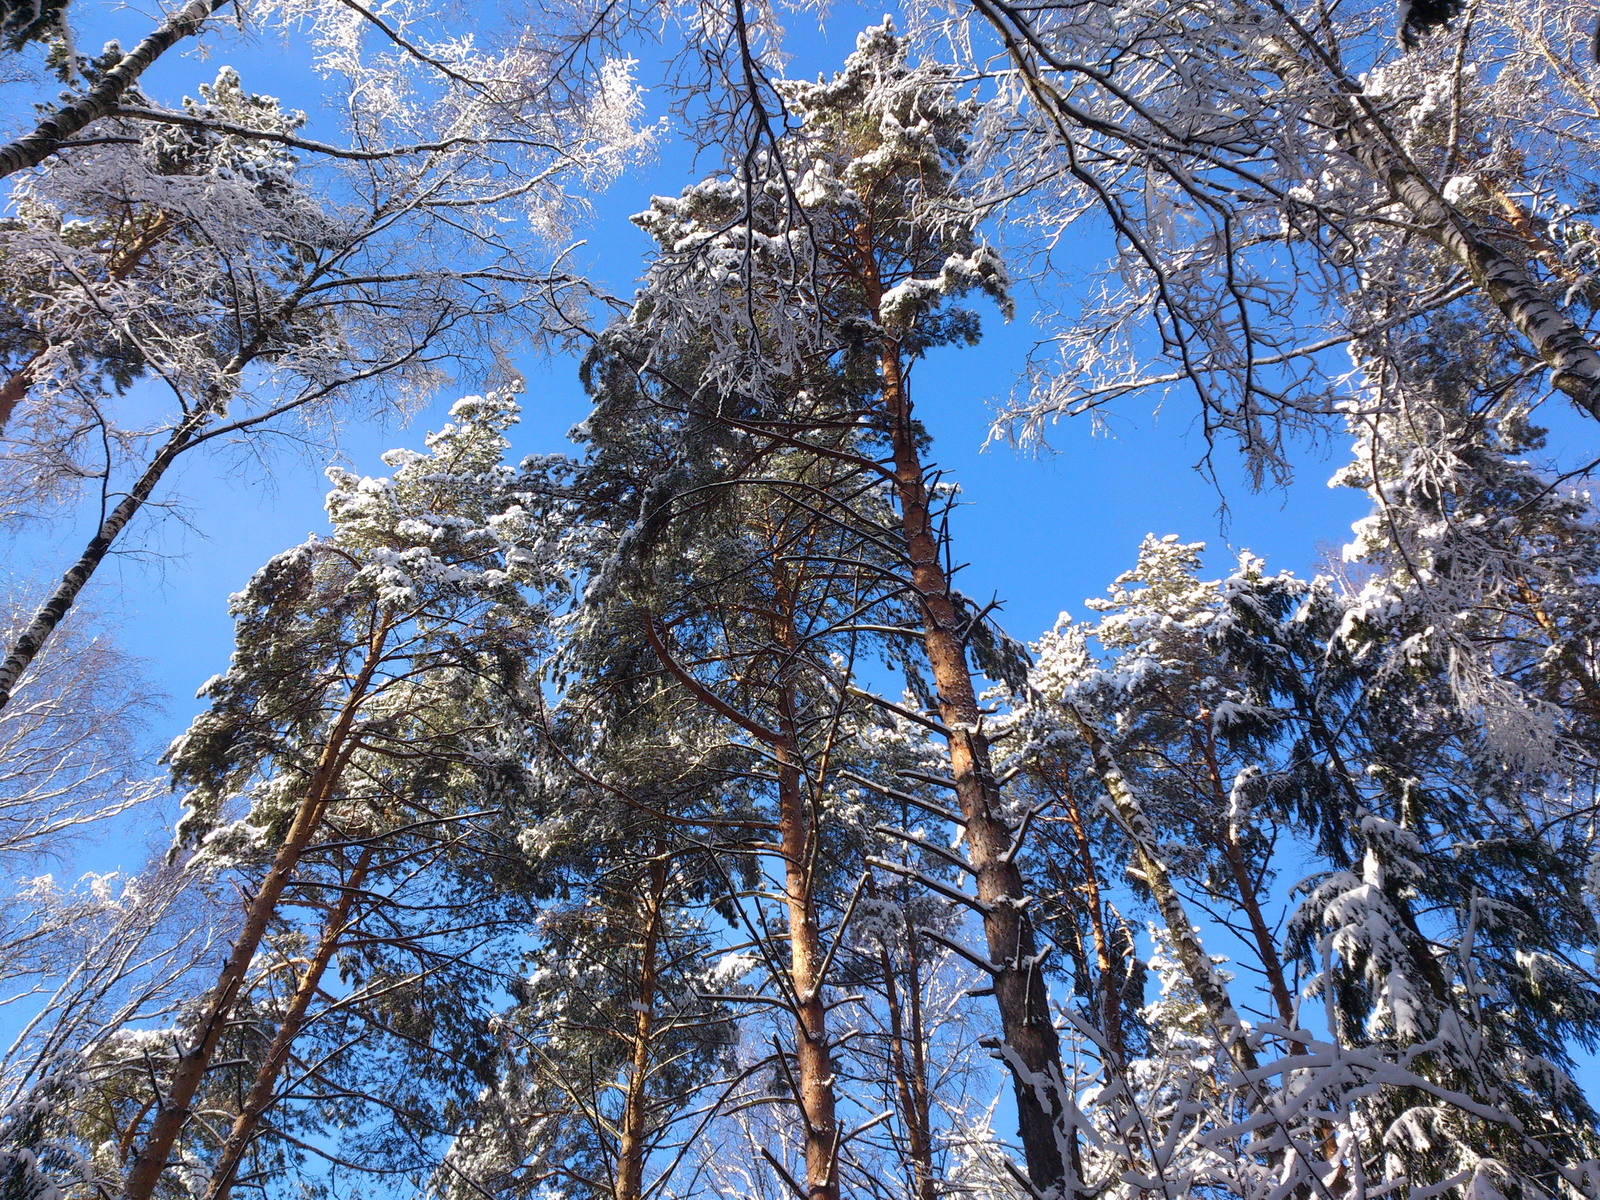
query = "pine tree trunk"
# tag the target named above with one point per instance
(631, 1141)
(1031, 1049)
(27, 645)
(908, 1063)
(813, 1052)
(813, 1060)
(265, 1085)
(1249, 893)
(1110, 968)
(102, 99)
(173, 1111)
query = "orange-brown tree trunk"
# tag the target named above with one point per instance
(634, 1129)
(1111, 972)
(173, 1111)
(1030, 1047)
(263, 1088)
(797, 837)
(908, 1062)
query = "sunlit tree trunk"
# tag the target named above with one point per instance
(173, 1110)
(1031, 1048)
(798, 838)
(263, 1089)
(634, 1128)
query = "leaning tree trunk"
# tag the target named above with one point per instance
(1030, 1048)
(173, 1110)
(1362, 134)
(53, 611)
(263, 1089)
(102, 99)
(27, 645)
(1209, 984)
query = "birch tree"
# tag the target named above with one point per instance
(1282, 181)
(286, 290)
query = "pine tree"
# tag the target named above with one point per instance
(839, 252)
(374, 712)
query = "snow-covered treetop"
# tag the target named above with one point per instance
(852, 223)
(427, 607)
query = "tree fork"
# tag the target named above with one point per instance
(265, 1084)
(173, 1112)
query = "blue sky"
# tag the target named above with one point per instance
(1040, 531)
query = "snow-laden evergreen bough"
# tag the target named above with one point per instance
(1420, 991)
(352, 776)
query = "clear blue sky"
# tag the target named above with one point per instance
(1042, 532)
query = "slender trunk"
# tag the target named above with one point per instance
(813, 1060)
(102, 99)
(1111, 971)
(1249, 894)
(631, 1141)
(1030, 1048)
(813, 1053)
(264, 1088)
(907, 1063)
(173, 1112)
(31, 640)
(1203, 977)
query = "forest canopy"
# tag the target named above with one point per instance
(670, 812)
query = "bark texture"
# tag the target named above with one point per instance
(1031, 1050)
(100, 100)
(174, 1108)
(53, 611)
(632, 1136)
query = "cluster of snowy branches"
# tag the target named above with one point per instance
(661, 819)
